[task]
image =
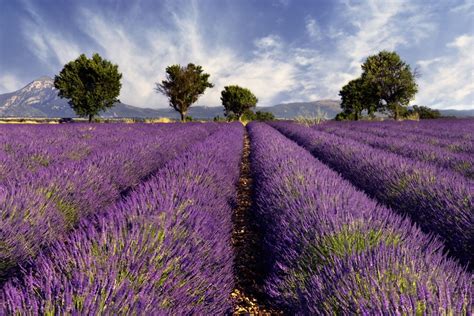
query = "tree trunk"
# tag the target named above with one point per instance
(396, 112)
(90, 118)
(183, 116)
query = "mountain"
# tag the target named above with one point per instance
(37, 99)
(457, 113)
(40, 99)
(314, 108)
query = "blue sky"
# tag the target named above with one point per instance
(283, 50)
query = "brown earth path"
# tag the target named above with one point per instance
(245, 239)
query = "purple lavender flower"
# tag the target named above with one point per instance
(329, 249)
(439, 201)
(165, 249)
(44, 201)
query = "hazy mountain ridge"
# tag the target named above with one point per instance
(40, 99)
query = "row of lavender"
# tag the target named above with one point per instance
(452, 129)
(165, 249)
(463, 143)
(439, 201)
(329, 249)
(41, 207)
(462, 163)
(28, 151)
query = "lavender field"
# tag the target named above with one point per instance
(338, 218)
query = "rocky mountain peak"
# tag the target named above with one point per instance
(38, 85)
(39, 98)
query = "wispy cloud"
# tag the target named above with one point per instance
(466, 7)
(143, 62)
(362, 30)
(269, 42)
(312, 28)
(312, 65)
(274, 69)
(377, 27)
(448, 81)
(49, 45)
(9, 83)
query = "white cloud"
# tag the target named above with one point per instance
(9, 83)
(312, 28)
(49, 45)
(376, 29)
(143, 63)
(273, 68)
(333, 32)
(321, 74)
(467, 7)
(269, 42)
(375, 26)
(448, 81)
(309, 73)
(462, 42)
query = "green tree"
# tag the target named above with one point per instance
(237, 100)
(425, 112)
(264, 116)
(344, 116)
(247, 116)
(357, 96)
(183, 86)
(352, 99)
(91, 85)
(391, 80)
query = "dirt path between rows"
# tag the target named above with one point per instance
(246, 242)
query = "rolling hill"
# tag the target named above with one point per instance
(40, 99)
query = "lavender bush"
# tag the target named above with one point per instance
(439, 201)
(456, 144)
(444, 129)
(164, 250)
(41, 207)
(31, 150)
(423, 151)
(329, 249)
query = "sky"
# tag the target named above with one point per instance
(282, 50)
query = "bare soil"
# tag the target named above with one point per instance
(246, 241)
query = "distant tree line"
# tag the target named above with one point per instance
(93, 85)
(423, 112)
(387, 85)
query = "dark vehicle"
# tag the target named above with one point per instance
(66, 120)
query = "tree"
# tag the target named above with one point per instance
(425, 112)
(352, 99)
(264, 116)
(236, 100)
(91, 85)
(183, 86)
(391, 80)
(357, 96)
(249, 115)
(344, 116)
